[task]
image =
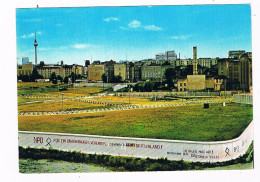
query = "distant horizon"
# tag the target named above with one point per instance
(131, 33)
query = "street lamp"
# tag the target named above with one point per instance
(129, 93)
(62, 101)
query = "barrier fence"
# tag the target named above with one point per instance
(141, 147)
(243, 98)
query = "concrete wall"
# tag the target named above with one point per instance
(243, 98)
(196, 82)
(140, 147)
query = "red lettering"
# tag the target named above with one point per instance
(37, 139)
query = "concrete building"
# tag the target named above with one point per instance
(25, 60)
(170, 55)
(238, 72)
(153, 72)
(109, 70)
(137, 71)
(47, 70)
(198, 82)
(59, 69)
(235, 54)
(120, 69)
(160, 56)
(95, 72)
(25, 69)
(207, 62)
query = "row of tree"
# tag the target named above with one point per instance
(114, 79)
(53, 78)
(30, 78)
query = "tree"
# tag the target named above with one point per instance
(66, 80)
(73, 77)
(35, 75)
(59, 78)
(79, 76)
(170, 74)
(148, 86)
(117, 79)
(53, 78)
(104, 77)
(54, 81)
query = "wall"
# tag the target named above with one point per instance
(95, 72)
(196, 82)
(140, 147)
(243, 98)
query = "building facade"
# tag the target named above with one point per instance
(25, 69)
(25, 60)
(153, 72)
(95, 72)
(238, 72)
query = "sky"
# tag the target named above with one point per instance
(133, 33)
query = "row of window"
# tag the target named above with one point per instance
(235, 68)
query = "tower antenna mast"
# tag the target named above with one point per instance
(35, 48)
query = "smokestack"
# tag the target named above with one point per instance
(195, 71)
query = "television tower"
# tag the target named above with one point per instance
(35, 48)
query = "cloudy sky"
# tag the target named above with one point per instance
(103, 33)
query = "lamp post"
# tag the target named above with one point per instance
(129, 93)
(62, 101)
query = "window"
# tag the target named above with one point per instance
(184, 84)
(180, 89)
(180, 84)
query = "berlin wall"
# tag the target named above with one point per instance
(141, 147)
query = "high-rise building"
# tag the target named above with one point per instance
(25, 60)
(235, 54)
(160, 56)
(170, 55)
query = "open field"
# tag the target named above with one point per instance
(24, 100)
(34, 84)
(55, 166)
(57, 106)
(191, 122)
(75, 92)
(145, 102)
(80, 91)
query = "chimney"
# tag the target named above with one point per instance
(195, 71)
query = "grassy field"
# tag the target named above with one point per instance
(23, 100)
(181, 123)
(75, 92)
(145, 102)
(55, 166)
(57, 106)
(34, 84)
(245, 166)
(80, 91)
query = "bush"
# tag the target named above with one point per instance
(120, 163)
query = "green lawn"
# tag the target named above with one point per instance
(191, 122)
